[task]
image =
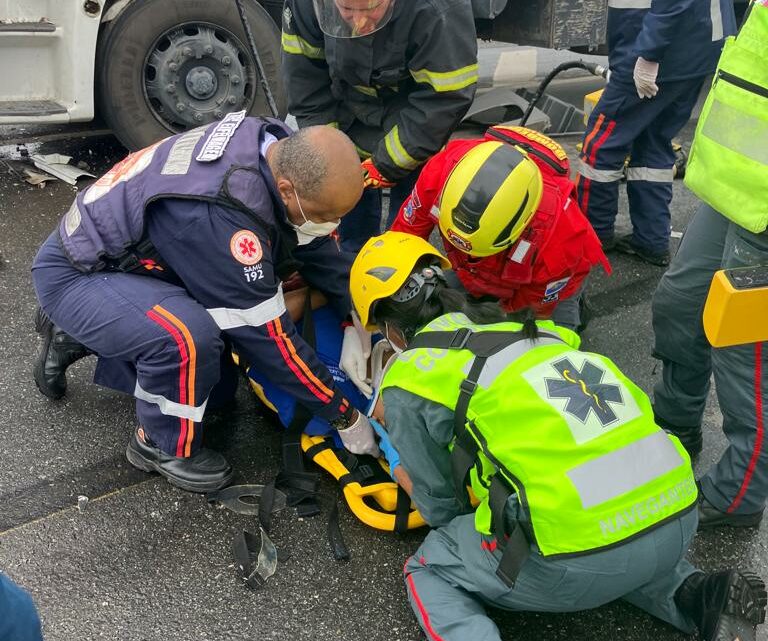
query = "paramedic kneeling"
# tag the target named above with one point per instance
(178, 252)
(582, 498)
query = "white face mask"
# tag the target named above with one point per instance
(309, 229)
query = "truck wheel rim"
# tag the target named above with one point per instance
(196, 73)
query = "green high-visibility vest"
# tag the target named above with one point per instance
(728, 164)
(564, 429)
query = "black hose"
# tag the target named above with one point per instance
(257, 58)
(592, 67)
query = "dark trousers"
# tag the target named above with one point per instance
(621, 125)
(364, 221)
(153, 341)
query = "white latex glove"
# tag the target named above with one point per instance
(645, 78)
(359, 437)
(353, 360)
(365, 335)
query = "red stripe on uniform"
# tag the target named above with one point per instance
(422, 611)
(278, 338)
(490, 547)
(183, 366)
(760, 430)
(591, 162)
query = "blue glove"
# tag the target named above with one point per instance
(385, 445)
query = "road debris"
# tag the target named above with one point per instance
(58, 165)
(35, 178)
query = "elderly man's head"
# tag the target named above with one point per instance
(317, 172)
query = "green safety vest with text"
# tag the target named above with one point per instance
(728, 164)
(564, 429)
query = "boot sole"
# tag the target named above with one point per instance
(747, 597)
(740, 609)
(42, 327)
(145, 465)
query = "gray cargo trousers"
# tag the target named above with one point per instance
(453, 575)
(738, 482)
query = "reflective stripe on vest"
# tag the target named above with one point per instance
(728, 164)
(566, 429)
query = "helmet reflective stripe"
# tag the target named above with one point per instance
(489, 198)
(494, 171)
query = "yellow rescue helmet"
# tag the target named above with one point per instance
(489, 198)
(383, 266)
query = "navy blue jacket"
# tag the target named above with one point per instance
(684, 36)
(207, 201)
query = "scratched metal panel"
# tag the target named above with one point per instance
(554, 24)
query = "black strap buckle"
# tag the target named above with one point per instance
(460, 338)
(468, 387)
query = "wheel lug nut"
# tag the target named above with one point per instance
(173, 66)
(231, 100)
(226, 60)
(208, 49)
(198, 117)
(180, 106)
(218, 114)
(187, 51)
(171, 88)
(235, 80)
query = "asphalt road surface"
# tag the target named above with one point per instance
(143, 561)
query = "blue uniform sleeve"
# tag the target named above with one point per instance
(224, 262)
(326, 268)
(421, 432)
(661, 26)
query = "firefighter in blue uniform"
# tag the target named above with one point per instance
(178, 252)
(660, 52)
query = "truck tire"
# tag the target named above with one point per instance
(164, 66)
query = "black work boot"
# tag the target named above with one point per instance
(204, 471)
(58, 352)
(624, 245)
(725, 606)
(711, 517)
(690, 435)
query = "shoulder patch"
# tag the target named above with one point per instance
(408, 211)
(217, 140)
(246, 247)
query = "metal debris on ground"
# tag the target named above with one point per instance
(58, 165)
(82, 501)
(34, 178)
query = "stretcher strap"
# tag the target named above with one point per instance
(402, 510)
(336, 540)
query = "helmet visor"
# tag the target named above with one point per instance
(352, 18)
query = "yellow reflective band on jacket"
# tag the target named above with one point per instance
(397, 152)
(368, 91)
(447, 80)
(728, 164)
(297, 45)
(565, 429)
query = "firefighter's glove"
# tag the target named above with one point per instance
(372, 177)
(353, 361)
(358, 438)
(645, 78)
(386, 447)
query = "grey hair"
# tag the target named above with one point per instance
(301, 161)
